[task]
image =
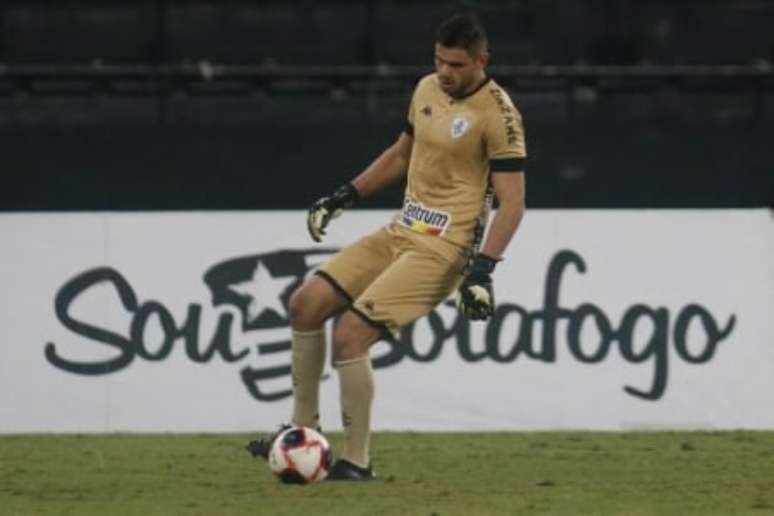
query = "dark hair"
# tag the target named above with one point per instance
(462, 31)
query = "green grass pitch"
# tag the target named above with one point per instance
(633, 473)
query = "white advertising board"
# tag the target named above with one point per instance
(178, 322)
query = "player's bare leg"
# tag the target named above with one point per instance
(352, 338)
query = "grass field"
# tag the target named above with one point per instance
(420, 474)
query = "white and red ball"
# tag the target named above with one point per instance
(300, 455)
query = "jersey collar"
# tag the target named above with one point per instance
(474, 91)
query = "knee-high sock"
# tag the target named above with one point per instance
(356, 382)
(307, 362)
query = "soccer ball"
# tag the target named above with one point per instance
(300, 455)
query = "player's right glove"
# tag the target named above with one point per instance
(329, 207)
(475, 298)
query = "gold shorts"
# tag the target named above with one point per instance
(395, 275)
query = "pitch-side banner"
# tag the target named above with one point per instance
(178, 322)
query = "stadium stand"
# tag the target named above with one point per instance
(133, 100)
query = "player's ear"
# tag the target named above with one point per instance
(483, 58)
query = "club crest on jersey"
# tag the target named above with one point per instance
(459, 125)
(418, 217)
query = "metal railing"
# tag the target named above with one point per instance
(206, 71)
(161, 82)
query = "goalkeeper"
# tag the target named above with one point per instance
(463, 144)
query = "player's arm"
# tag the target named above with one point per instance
(507, 150)
(476, 295)
(391, 165)
(509, 187)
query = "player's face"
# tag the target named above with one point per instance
(458, 72)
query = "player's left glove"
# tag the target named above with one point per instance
(329, 207)
(475, 298)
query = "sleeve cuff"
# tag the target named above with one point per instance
(507, 165)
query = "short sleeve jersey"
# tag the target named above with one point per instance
(458, 142)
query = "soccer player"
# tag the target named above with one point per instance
(462, 144)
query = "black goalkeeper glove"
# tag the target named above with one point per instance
(326, 208)
(475, 298)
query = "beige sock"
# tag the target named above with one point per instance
(307, 362)
(356, 382)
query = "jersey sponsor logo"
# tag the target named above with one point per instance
(459, 125)
(422, 219)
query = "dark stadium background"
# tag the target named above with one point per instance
(167, 105)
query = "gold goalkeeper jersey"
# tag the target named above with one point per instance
(458, 142)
